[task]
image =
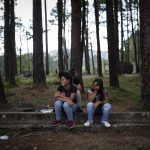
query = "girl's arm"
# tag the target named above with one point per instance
(92, 95)
(64, 98)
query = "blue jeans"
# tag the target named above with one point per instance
(69, 110)
(105, 111)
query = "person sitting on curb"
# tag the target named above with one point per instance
(65, 100)
(77, 83)
(98, 104)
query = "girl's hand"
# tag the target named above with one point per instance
(57, 94)
(70, 102)
(95, 105)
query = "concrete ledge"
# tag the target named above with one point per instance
(41, 120)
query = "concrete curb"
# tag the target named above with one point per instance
(119, 120)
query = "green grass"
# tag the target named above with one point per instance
(129, 90)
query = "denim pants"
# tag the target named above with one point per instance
(105, 111)
(69, 110)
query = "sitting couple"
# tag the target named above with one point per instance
(68, 98)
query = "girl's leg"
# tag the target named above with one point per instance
(58, 109)
(106, 110)
(68, 110)
(90, 111)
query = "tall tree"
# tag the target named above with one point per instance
(3, 101)
(122, 31)
(9, 42)
(83, 26)
(6, 38)
(87, 57)
(60, 40)
(115, 3)
(38, 66)
(92, 59)
(133, 37)
(127, 42)
(99, 60)
(46, 40)
(76, 50)
(145, 52)
(112, 52)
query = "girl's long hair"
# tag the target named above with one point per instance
(100, 84)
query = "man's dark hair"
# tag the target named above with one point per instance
(66, 75)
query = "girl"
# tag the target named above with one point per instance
(65, 99)
(98, 103)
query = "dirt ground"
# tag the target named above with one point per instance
(54, 140)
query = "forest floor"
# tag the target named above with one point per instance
(54, 140)
(24, 97)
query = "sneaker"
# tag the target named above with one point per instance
(88, 124)
(55, 123)
(70, 124)
(106, 124)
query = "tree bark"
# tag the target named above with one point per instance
(99, 59)
(133, 37)
(127, 42)
(87, 57)
(38, 66)
(115, 3)
(60, 39)
(9, 42)
(6, 38)
(46, 40)
(76, 50)
(122, 31)
(3, 101)
(145, 52)
(112, 52)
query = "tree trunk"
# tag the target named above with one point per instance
(99, 59)
(87, 57)
(83, 26)
(115, 2)
(9, 42)
(6, 38)
(46, 40)
(38, 66)
(60, 40)
(127, 43)
(13, 62)
(92, 59)
(112, 52)
(122, 31)
(76, 50)
(3, 101)
(65, 54)
(133, 37)
(145, 52)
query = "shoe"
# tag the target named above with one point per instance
(70, 124)
(55, 123)
(106, 124)
(88, 124)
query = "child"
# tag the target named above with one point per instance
(65, 99)
(98, 103)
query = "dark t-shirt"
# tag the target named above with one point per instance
(67, 92)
